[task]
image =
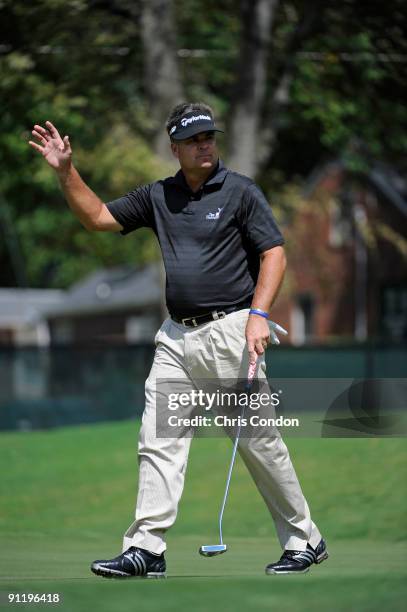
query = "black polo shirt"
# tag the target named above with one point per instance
(210, 240)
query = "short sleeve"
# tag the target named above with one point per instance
(257, 221)
(133, 210)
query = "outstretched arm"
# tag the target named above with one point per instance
(83, 202)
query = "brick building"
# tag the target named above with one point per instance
(347, 258)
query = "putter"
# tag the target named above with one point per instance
(211, 550)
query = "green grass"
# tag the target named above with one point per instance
(229, 582)
(68, 495)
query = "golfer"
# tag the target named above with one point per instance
(224, 263)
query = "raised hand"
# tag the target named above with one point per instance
(56, 150)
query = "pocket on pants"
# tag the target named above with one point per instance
(161, 331)
(229, 341)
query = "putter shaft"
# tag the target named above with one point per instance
(210, 551)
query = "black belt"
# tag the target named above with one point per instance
(215, 315)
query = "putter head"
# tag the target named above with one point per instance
(212, 550)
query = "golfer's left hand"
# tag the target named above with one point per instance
(261, 332)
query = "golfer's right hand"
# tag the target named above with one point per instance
(55, 150)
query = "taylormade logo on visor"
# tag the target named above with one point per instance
(190, 124)
(186, 120)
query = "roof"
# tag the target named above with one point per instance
(110, 290)
(391, 184)
(19, 307)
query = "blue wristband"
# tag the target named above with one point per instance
(259, 312)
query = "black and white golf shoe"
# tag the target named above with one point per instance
(297, 561)
(133, 563)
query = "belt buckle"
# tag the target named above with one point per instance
(193, 321)
(218, 315)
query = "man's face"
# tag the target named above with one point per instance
(199, 152)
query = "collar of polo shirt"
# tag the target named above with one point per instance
(191, 124)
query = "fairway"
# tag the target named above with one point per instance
(67, 496)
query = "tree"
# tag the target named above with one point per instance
(162, 80)
(245, 126)
(334, 74)
(81, 69)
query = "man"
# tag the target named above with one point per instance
(224, 264)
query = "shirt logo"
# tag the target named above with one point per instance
(214, 215)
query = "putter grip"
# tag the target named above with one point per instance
(251, 372)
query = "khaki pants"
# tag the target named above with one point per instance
(213, 350)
